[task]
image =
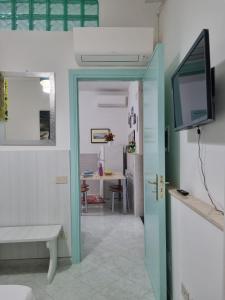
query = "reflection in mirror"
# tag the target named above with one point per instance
(27, 108)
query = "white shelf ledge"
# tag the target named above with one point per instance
(203, 209)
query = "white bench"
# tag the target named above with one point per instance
(27, 234)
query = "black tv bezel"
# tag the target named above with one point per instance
(209, 81)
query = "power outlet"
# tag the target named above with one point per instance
(184, 292)
(61, 180)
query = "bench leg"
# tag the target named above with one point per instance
(52, 246)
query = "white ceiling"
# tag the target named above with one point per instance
(104, 86)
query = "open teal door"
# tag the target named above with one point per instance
(154, 173)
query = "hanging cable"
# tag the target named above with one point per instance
(158, 25)
(203, 173)
(158, 20)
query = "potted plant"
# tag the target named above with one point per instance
(109, 138)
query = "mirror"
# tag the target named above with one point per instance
(27, 108)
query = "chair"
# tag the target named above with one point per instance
(84, 184)
(115, 189)
(118, 186)
(84, 191)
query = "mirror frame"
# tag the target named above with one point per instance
(52, 140)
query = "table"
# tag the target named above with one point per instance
(115, 176)
(41, 233)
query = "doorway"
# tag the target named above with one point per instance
(111, 158)
(154, 161)
(74, 78)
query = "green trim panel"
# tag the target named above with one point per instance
(48, 15)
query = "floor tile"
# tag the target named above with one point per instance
(112, 267)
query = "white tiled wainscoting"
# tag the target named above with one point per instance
(29, 195)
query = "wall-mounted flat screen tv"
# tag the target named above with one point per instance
(193, 86)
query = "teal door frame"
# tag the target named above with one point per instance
(74, 77)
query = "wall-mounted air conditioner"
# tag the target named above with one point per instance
(108, 101)
(113, 46)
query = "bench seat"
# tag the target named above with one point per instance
(40, 233)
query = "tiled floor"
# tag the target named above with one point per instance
(112, 266)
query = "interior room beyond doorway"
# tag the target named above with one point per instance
(111, 171)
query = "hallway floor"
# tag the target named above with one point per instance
(112, 266)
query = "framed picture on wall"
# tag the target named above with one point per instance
(98, 135)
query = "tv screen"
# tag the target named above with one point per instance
(192, 86)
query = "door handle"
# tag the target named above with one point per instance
(152, 182)
(156, 187)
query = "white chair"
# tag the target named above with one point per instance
(84, 190)
(115, 189)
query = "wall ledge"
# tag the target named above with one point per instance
(203, 209)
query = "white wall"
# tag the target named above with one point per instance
(53, 52)
(127, 13)
(181, 23)
(43, 52)
(26, 100)
(92, 116)
(197, 255)
(38, 52)
(30, 196)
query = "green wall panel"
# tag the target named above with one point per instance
(173, 153)
(48, 15)
(172, 167)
